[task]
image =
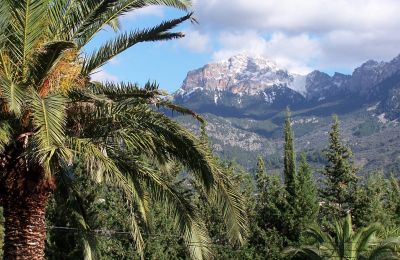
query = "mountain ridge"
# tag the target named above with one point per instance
(242, 80)
(245, 115)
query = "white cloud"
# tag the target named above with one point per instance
(103, 76)
(195, 41)
(322, 34)
(295, 53)
(153, 10)
(300, 15)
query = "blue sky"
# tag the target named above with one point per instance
(164, 62)
(299, 35)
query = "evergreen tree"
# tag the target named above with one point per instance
(371, 202)
(270, 223)
(306, 203)
(393, 201)
(260, 174)
(289, 158)
(340, 176)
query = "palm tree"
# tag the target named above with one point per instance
(52, 116)
(347, 244)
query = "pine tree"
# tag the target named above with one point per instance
(289, 158)
(340, 176)
(372, 203)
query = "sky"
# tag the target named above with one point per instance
(299, 35)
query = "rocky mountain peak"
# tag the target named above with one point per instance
(239, 74)
(243, 62)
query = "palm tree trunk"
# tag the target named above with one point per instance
(25, 229)
(25, 190)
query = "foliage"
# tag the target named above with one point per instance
(348, 244)
(275, 223)
(306, 206)
(367, 128)
(54, 116)
(289, 162)
(375, 202)
(85, 218)
(340, 176)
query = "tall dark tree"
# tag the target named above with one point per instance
(289, 157)
(306, 204)
(260, 174)
(340, 176)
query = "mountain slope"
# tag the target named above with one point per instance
(243, 99)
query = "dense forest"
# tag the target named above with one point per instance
(291, 214)
(287, 212)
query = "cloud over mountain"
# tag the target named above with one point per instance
(318, 33)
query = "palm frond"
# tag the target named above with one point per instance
(123, 91)
(5, 134)
(12, 96)
(29, 18)
(163, 139)
(103, 168)
(191, 227)
(180, 109)
(97, 11)
(5, 18)
(307, 252)
(232, 206)
(105, 14)
(126, 40)
(137, 235)
(364, 236)
(49, 119)
(386, 250)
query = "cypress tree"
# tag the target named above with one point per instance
(289, 158)
(260, 175)
(340, 176)
(306, 206)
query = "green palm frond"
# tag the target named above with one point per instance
(347, 244)
(123, 91)
(103, 168)
(126, 40)
(107, 13)
(364, 237)
(307, 252)
(233, 211)
(5, 134)
(386, 250)
(98, 164)
(147, 131)
(29, 18)
(12, 96)
(190, 225)
(97, 11)
(137, 235)
(182, 110)
(49, 119)
(5, 15)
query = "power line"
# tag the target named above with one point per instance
(111, 233)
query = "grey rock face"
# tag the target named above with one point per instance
(243, 81)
